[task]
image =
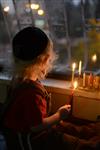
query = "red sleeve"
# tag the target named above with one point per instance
(27, 110)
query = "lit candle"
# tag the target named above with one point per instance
(73, 71)
(80, 68)
(75, 84)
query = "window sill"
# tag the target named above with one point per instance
(53, 85)
(59, 86)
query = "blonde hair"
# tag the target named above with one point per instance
(25, 69)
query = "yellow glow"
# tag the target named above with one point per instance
(35, 6)
(75, 84)
(6, 9)
(73, 66)
(40, 12)
(94, 58)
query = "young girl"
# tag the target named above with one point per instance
(28, 101)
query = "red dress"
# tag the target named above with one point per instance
(28, 107)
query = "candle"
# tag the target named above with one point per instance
(96, 82)
(84, 79)
(90, 80)
(75, 84)
(80, 68)
(73, 66)
(73, 71)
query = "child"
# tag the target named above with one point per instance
(28, 101)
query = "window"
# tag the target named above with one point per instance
(73, 25)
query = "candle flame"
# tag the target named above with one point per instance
(75, 84)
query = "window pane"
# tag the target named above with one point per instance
(75, 30)
(73, 25)
(57, 21)
(92, 25)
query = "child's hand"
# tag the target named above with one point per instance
(64, 111)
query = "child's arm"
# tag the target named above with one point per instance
(61, 114)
